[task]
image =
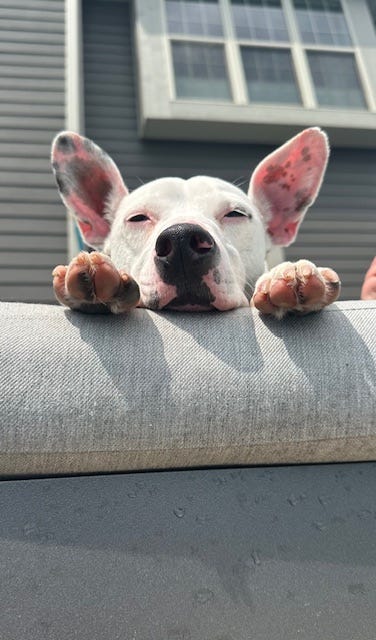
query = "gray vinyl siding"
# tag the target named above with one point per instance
(32, 110)
(339, 231)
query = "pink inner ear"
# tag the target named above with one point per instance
(287, 181)
(89, 182)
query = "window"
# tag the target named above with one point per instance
(248, 69)
(194, 17)
(270, 75)
(268, 72)
(200, 71)
(322, 22)
(263, 20)
(334, 74)
(335, 79)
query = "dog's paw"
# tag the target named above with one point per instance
(91, 283)
(298, 287)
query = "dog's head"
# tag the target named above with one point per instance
(190, 244)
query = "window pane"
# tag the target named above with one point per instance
(259, 19)
(336, 79)
(194, 17)
(200, 71)
(322, 22)
(270, 75)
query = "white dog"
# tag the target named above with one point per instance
(191, 245)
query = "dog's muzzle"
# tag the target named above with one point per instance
(185, 252)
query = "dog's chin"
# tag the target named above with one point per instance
(220, 304)
(173, 306)
(189, 302)
(191, 299)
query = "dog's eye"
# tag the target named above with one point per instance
(140, 217)
(236, 214)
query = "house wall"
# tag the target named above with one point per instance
(340, 230)
(32, 98)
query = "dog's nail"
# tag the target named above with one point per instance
(58, 271)
(82, 258)
(263, 287)
(96, 258)
(289, 274)
(124, 276)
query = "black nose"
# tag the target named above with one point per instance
(184, 250)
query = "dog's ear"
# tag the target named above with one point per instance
(90, 184)
(287, 182)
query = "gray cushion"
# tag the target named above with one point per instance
(83, 393)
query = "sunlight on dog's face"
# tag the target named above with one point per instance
(192, 244)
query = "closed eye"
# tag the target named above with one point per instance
(237, 214)
(140, 217)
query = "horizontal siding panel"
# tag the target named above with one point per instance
(43, 227)
(348, 265)
(299, 250)
(28, 136)
(32, 97)
(37, 241)
(33, 73)
(344, 239)
(33, 209)
(27, 293)
(32, 259)
(339, 213)
(31, 14)
(25, 275)
(18, 150)
(119, 67)
(29, 48)
(30, 123)
(113, 97)
(333, 226)
(56, 6)
(42, 179)
(110, 32)
(22, 194)
(36, 84)
(350, 293)
(34, 26)
(117, 59)
(36, 72)
(352, 190)
(37, 37)
(26, 109)
(37, 61)
(349, 202)
(101, 49)
(98, 79)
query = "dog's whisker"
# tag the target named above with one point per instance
(239, 182)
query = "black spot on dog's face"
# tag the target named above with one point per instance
(154, 302)
(62, 185)
(88, 145)
(65, 145)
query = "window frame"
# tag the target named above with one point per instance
(164, 116)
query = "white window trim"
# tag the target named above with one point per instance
(163, 116)
(74, 96)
